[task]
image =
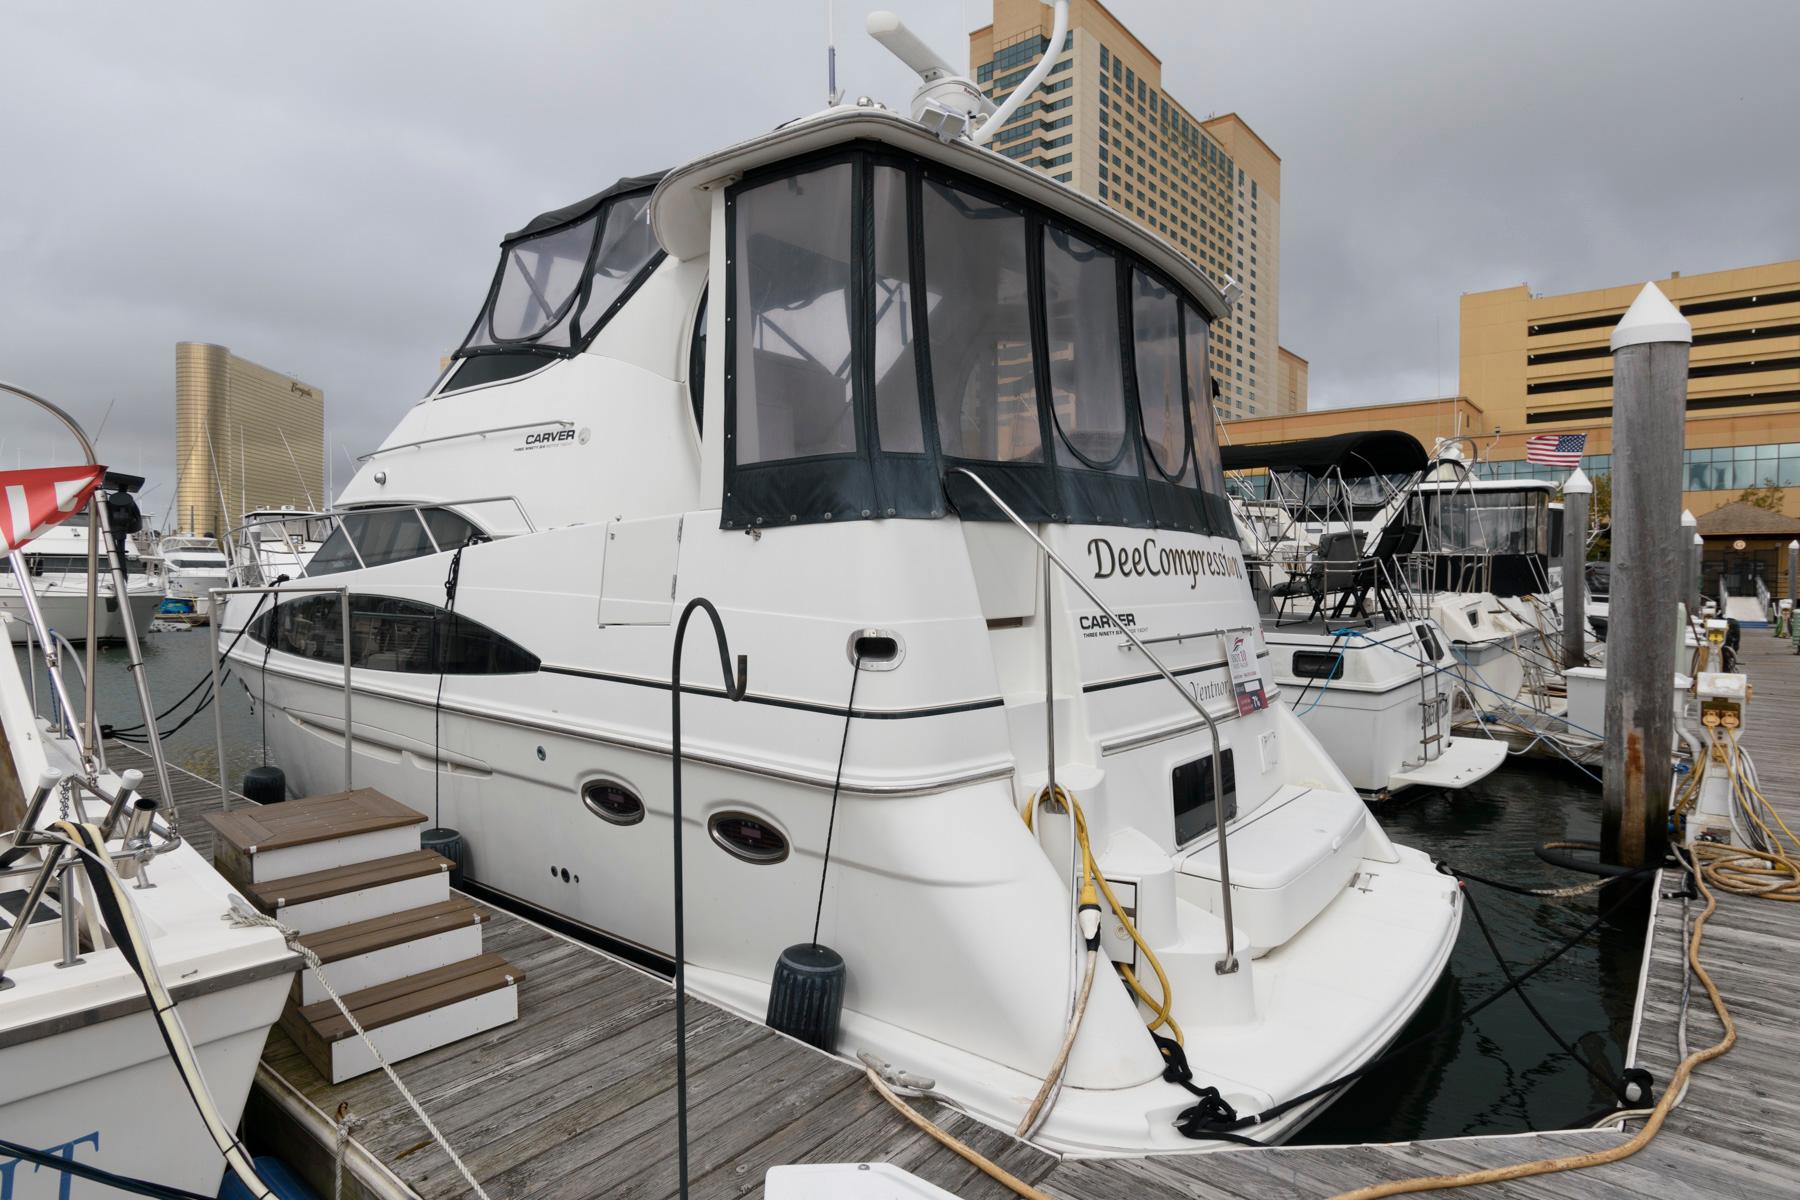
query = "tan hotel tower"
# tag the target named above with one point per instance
(246, 437)
(1102, 124)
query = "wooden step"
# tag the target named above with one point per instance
(321, 900)
(258, 844)
(407, 1016)
(382, 949)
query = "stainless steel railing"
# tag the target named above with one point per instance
(1229, 963)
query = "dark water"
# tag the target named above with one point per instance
(174, 662)
(1500, 1072)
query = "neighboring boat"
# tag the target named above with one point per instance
(273, 543)
(191, 567)
(813, 378)
(1361, 661)
(132, 1016)
(57, 563)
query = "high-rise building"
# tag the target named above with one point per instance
(246, 437)
(1290, 384)
(1102, 123)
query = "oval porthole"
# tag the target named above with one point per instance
(610, 802)
(750, 838)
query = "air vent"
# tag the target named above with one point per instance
(747, 837)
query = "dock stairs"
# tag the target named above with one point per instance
(346, 871)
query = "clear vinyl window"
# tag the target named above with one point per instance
(1087, 379)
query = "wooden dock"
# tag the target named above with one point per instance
(577, 1098)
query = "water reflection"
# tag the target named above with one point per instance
(1501, 1072)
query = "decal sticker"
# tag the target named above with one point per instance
(1246, 676)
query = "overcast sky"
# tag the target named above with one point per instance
(320, 186)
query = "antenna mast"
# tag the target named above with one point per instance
(832, 92)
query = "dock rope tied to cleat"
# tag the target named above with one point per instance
(242, 914)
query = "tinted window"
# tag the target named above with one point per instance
(1210, 472)
(538, 283)
(372, 539)
(1195, 809)
(978, 304)
(697, 366)
(492, 368)
(391, 634)
(1087, 382)
(1156, 335)
(793, 388)
(897, 409)
(626, 245)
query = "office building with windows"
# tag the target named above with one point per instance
(1102, 123)
(246, 437)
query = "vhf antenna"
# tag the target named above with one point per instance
(833, 93)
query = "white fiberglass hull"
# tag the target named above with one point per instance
(65, 611)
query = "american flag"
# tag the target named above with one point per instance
(1556, 449)
(33, 500)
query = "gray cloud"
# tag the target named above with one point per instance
(321, 187)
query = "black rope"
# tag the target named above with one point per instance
(836, 782)
(1614, 1086)
(1540, 893)
(1196, 1128)
(124, 1183)
(452, 578)
(164, 735)
(204, 679)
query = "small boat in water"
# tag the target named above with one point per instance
(191, 567)
(55, 566)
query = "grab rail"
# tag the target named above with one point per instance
(467, 433)
(1229, 964)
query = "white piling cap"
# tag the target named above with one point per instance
(1698, 540)
(1794, 545)
(1651, 318)
(1687, 519)
(1578, 484)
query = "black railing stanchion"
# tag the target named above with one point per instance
(734, 690)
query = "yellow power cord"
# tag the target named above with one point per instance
(1091, 872)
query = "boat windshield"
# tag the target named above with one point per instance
(890, 321)
(560, 278)
(1488, 522)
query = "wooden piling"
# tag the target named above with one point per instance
(1650, 360)
(1574, 569)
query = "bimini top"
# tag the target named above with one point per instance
(560, 278)
(1352, 455)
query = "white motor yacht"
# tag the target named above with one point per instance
(1357, 655)
(191, 567)
(57, 565)
(932, 433)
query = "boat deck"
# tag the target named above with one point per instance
(576, 1099)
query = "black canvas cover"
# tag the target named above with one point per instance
(1352, 455)
(569, 214)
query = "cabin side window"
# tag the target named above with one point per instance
(982, 377)
(388, 633)
(1087, 379)
(794, 382)
(898, 425)
(1156, 345)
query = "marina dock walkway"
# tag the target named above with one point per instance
(576, 1099)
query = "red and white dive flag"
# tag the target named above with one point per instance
(32, 501)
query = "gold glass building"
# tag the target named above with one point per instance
(1102, 123)
(246, 437)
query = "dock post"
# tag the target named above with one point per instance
(1574, 568)
(1794, 572)
(1650, 365)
